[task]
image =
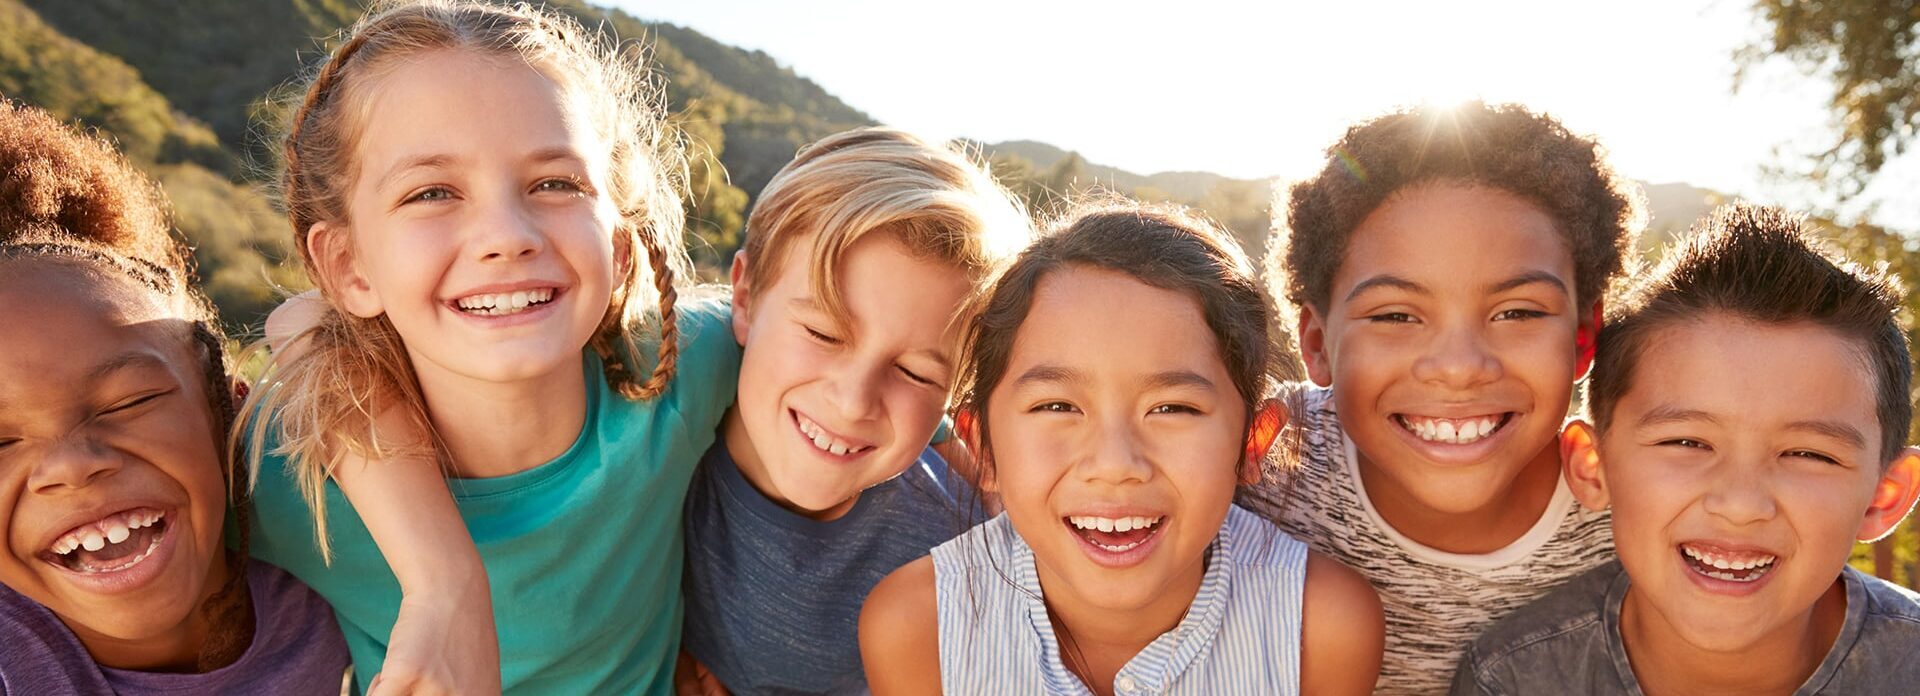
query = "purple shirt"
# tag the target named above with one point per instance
(296, 649)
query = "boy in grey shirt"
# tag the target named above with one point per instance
(1749, 405)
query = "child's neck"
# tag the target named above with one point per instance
(1507, 516)
(495, 429)
(1778, 663)
(177, 650)
(1095, 643)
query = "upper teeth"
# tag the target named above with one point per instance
(1113, 524)
(1725, 561)
(823, 439)
(112, 530)
(505, 302)
(1454, 431)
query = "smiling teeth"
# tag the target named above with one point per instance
(1449, 430)
(823, 440)
(1113, 524)
(112, 530)
(498, 304)
(1729, 561)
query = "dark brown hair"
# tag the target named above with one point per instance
(1163, 246)
(1760, 264)
(71, 199)
(1505, 147)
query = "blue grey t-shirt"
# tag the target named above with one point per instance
(1568, 642)
(773, 598)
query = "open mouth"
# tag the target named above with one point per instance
(1730, 566)
(1454, 431)
(1115, 534)
(500, 304)
(825, 440)
(115, 543)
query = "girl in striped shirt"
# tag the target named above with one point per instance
(1114, 389)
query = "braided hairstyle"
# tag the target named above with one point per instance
(71, 199)
(352, 368)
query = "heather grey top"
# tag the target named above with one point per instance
(1435, 602)
(296, 649)
(1569, 643)
(773, 598)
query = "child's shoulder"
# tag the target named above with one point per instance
(1886, 600)
(900, 629)
(1569, 620)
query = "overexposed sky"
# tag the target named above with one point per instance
(1254, 89)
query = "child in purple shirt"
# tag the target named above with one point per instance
(114, 407)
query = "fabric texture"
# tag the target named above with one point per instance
(583, 553)
(1241, 635)
(296, 650)
(1569, 642)
(1435, 602)
(773, 598)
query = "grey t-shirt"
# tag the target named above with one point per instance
(773, 598)
(296, 649)
(1569, 642)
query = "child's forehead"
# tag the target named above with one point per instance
(76, 314)
(1733, 368)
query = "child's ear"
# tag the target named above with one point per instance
(1893, 496)
(331, 247)
(742, 293)
(1268, 420)
(1587, 337)
(966, 426)
(1313, 347)
(1580, 462)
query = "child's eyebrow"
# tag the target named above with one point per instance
(1180, 378)
(1661, 415)
(1833, 429)
(125, 361)
(556, 153)
(411, 163)
(1529, 278)
(1387, 280)
(1049, 374)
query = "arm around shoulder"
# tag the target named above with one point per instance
(900, 632)
(1343, 631)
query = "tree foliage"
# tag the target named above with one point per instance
(1868, 49)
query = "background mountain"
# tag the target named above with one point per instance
(193, 91)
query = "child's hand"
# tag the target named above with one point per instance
(440, 646)
(690, 678)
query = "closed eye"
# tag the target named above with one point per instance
(916, 378)
(821, 337)
(135, 402)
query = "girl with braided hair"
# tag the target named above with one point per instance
(114, 487)
(488, 201)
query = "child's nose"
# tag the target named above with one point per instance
(1115, 454)
(853, 391)
(1458, 358)
(1739, 495)
(74, 462)
(508, 233)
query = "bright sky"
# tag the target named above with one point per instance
(1254, 89)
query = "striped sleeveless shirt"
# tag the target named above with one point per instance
(1240, 636)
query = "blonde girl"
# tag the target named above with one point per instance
(488, 202)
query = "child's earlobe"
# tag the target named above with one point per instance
(1587, 338)
(1580, 465)
(1893, 496)
(331, 248)
(742, 294)
(1313, 347)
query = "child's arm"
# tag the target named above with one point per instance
(900, 632)
(443, 640)
(1342, 630)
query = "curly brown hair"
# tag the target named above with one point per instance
(1502, 146)
(69, 198)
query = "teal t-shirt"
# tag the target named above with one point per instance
(583, 553)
